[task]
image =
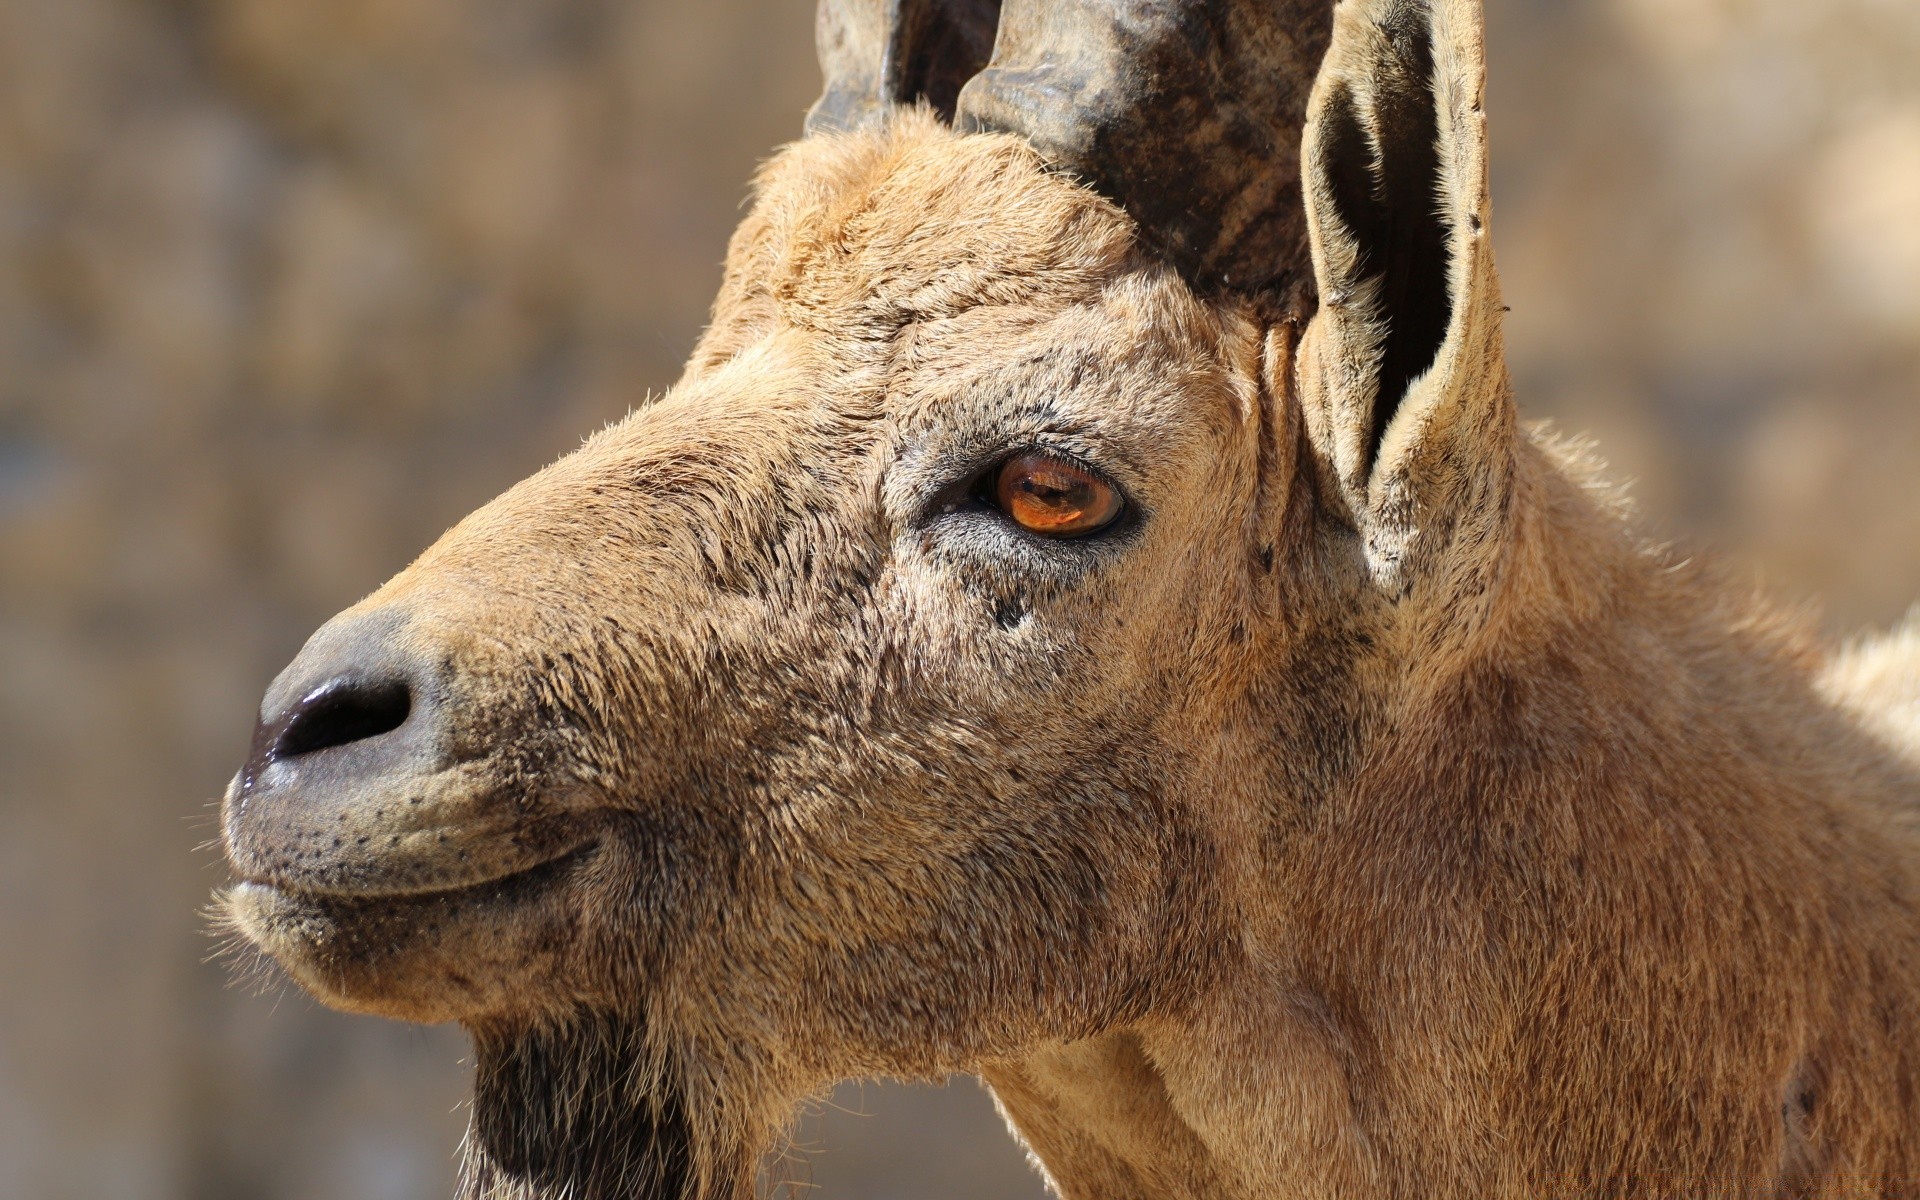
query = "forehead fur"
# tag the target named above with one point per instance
(861, 234)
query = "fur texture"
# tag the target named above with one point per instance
(1372, 813)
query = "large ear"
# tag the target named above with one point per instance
(1400, 371)
(879, 53)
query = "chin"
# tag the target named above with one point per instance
(468, 954)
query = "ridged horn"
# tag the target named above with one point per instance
(878, 53)
(1186, 112)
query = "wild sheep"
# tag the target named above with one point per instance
(1061, 629)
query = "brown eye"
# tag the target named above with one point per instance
(1050, 496)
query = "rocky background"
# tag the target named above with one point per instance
(286, 286)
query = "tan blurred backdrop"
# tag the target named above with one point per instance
(286, 286)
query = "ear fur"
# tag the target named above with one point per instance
(1401, 373)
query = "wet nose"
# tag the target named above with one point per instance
(356, 700)
(339, 712)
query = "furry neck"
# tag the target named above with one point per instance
(574, 1110)
(1618, 835)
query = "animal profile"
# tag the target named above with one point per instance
(1090, 616)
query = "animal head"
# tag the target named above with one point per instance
(933, 672)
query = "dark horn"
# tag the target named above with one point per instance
(878, 53)
(1188, 113)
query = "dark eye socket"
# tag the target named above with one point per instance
(1051, 496)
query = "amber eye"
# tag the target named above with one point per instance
(1054, 497)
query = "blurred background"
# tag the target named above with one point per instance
(287, 286)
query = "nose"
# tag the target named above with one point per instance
(356, 698)
(339, 712)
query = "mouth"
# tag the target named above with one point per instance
(362, 890)
(430, 954)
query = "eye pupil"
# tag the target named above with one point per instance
(1051, 496)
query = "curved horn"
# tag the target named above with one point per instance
(877, 53)
(1186, 112)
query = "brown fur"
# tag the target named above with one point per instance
(1373, 816)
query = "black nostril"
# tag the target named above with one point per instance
(340, 712)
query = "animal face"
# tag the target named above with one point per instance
(934, 672)
(859, 705)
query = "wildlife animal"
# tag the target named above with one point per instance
(1090, 616)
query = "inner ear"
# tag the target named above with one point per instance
(1384, 178)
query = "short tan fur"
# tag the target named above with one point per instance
(1374, 811)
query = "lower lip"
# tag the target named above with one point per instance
(264, 890)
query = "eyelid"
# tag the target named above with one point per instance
(1054, 453)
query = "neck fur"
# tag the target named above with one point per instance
(581, 1111)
